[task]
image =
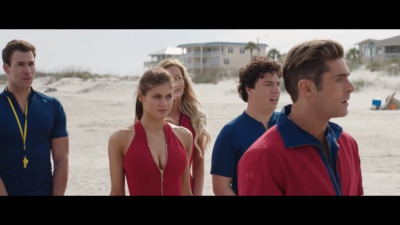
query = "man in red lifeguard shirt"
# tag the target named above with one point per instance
(305, 154)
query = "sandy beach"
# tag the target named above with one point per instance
(97, 107)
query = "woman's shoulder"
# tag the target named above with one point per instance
(184, 135)
(180, 130)
(123, 133)
(120, 140)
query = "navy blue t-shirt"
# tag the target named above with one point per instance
(232, 141)
(46, 120)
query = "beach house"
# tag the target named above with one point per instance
(380, 51)
(200, 58)
(158, 56)
(209, 57)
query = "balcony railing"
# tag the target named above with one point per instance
(205, 66)
(150, 64)
(204, 54)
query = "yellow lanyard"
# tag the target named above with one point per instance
(23, 134)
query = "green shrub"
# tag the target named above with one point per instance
(354, 64)
(374, 66)
(359, 84)
(392, 67)
(213, 75)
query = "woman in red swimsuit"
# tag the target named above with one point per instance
(186, 112)
(152, 154)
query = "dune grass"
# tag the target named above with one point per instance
(69, 73)
(388, 69)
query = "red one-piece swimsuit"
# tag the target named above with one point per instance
(143, 175)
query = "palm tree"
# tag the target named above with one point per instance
(353, 58)
(274, 54)
(251, 46)
(353, 53)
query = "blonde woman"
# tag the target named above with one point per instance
(186, 112)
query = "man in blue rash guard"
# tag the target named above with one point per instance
(33, 130)
(258, 85)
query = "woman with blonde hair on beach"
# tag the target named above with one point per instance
(186, 112)
(152, 154)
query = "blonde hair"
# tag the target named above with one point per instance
(190, 106)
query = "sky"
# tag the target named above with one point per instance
(123, 52)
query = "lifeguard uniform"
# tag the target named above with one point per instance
(232, 141)
(286, 160)
(185, 121)
(143, 175)
(46, 120)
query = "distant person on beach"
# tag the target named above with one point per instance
(33, 130)
(306, 154)
(152, 154)
(259, 84)
(186, 112)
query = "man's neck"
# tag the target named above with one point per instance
(309, 121)
(20, 94)
(260, 116)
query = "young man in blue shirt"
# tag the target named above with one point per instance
(33, 129)
(259, 86)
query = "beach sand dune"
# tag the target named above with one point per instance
(97, 107)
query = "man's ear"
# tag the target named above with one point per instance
(306, 88)
(6, 68)
(248, 90)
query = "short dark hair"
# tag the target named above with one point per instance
(16, 45)
(249, 75)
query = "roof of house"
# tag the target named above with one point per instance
(168, 51)
(217, 44)
(384, 42)
(391, 41)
